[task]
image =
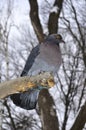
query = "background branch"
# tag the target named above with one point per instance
(54, 16)
(35, 20)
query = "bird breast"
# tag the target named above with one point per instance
(51, 54)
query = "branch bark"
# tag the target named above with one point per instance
(52, 22)
(35, 20)
(54, 17)
(47, 111)
(80, 120)
(22, 84)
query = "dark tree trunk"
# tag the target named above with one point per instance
(47, 111)
(54, 17)
(80, 120)
(35, 20)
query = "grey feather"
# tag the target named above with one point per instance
(26, 100)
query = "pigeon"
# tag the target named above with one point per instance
(45, 57)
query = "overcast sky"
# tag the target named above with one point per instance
(21, 11)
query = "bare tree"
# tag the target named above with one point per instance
(74, 69)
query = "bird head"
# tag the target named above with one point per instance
(55, 38)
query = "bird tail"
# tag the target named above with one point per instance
(26, 100)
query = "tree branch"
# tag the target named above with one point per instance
(10, 116)
(54, 17)
(35, 20)
(24, 83)
(80, 120)
(47, 111)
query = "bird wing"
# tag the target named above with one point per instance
(34, 53)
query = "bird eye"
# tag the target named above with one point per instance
(58, 37)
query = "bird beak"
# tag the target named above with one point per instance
(62, 41)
